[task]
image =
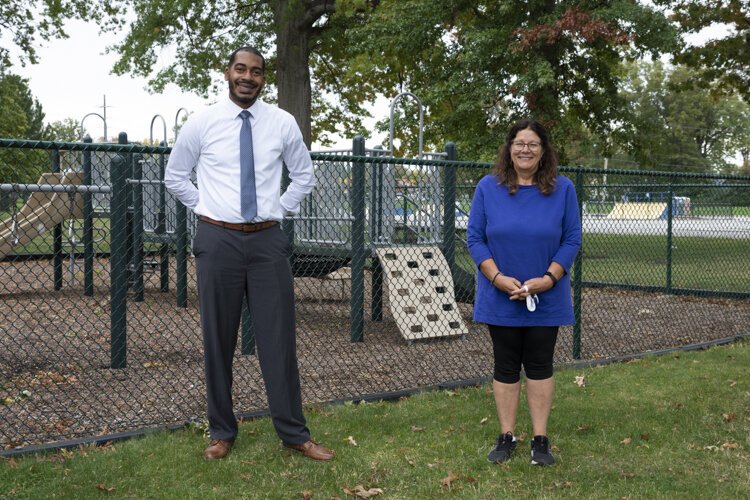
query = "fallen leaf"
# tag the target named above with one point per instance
(730, 446)
(447, 480)
(728, 417)
(580, 380)
(351, 441)
(12, 463)
(101, 487)
(414, 428)
(645, 436)
(450, 393)
(483, 421)
(306, 495)
(583, 428)
(362, 492)
(732, 383)
(626, 441)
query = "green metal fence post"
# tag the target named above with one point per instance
(670, 207)
(161, 226)
(358, 241)
(118, 258)
(88, 225)
(578, 273)
(376, 270)
(57, 261)
(136, 264)
(181, 254)
(449, 208)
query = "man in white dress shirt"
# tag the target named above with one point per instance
(236, 257)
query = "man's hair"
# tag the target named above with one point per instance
(251, 50)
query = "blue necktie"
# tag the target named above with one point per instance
(249, 204)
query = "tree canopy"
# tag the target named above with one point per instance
(25, 23)
(476, 65)
(481, 65)
(722, 63)
(673, 126)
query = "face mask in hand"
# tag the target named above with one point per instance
(531, 302)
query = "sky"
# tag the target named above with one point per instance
(73, 77)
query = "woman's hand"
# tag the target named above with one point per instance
(509, 285)
(531, 287)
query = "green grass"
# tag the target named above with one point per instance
(719, 264)
(703, 263)
(675, 426)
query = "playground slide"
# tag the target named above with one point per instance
(41, 212)
(638, 211)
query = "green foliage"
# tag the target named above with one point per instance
(22, 114)
(618, 431)
(479, 66)
(25, 22)
(67, 130)
(671, 124)
(726, 60)
(23, 118)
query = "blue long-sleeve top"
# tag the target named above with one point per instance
(524, 233)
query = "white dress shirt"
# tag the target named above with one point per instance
(210, 141)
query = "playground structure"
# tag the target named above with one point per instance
(339, 225)
(649, 206)
(42, 212)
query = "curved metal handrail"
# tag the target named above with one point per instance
(421, 121)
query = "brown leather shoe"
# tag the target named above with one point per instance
(313, 450)
(217, 448)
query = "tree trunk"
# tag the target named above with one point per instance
(293, 73)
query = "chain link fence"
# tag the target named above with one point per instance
(99, 326)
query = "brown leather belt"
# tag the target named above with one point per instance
(245, 227)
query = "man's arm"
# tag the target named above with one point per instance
(297, 160)
(182, 160)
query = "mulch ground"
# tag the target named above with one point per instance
(56, 382)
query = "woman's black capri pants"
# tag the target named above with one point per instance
(532, 347)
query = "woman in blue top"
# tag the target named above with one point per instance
(524, 233)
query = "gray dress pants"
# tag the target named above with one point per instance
(232, 265)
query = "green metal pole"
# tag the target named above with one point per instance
(57, 263)
(376, 270)
(161, 227)
(181, 254)
(449, 208)
(137, 229)
(88, 226)
(118, 258)
(578, 274)
(670, 206)
(358, 241)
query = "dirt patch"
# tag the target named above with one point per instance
(55, 350)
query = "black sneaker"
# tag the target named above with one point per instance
(540, 451)
(503, 449)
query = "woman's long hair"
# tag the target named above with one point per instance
(546, 175)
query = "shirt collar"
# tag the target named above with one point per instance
(233, 110)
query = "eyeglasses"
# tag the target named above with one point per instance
(520, 145)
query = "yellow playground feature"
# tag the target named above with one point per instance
(42, 211)
(637, 210)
